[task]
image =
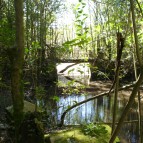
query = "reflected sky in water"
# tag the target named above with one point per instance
(92, 111)
(98, 110)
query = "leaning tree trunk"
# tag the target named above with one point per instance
(17, 62)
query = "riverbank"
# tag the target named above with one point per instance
(98, 87)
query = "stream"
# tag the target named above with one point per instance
(98, 110)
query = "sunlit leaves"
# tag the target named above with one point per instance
(98, 28)
(81, 29)
(56, 98)
(94, 130)
(26, 51)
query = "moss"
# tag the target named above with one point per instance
(74, 135)
(28, 107)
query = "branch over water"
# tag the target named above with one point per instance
(89, 99)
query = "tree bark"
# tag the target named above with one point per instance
(17, 64)
(120, 46)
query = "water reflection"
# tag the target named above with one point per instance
(98, 110)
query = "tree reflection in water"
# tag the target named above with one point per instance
(99, 110)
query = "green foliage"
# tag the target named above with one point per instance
(36, 45)
(40, 92)
(94, 130)
(7, 36)
(82, 31)
(68, 88)
(55, 98)
(102, 75)
(40, 95)
(75, 135)
(31, 129)
(31, 126)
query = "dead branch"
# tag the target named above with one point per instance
(89, 99)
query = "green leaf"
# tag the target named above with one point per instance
(80, 11)
(56, 98)
(26, 50)
(27, 83)
(69, 42)
(71, 71)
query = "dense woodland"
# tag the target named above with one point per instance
(37, 35)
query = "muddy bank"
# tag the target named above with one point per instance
(98, 87)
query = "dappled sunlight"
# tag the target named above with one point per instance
(76, 135)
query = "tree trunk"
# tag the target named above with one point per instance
(17, 63)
